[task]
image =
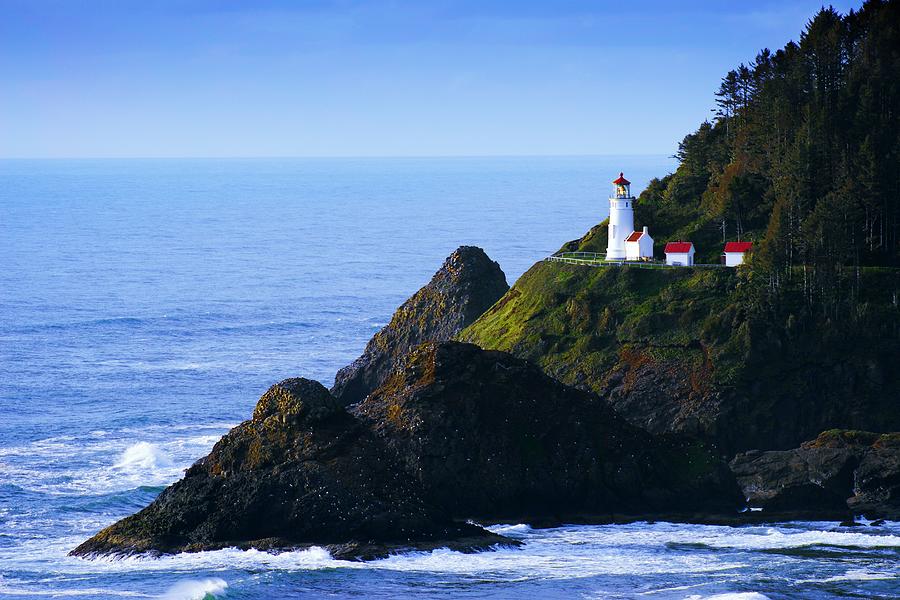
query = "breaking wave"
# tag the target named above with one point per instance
(196, 589)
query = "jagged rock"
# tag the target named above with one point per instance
(839, 471)
(490, 436)
(784, 480)
(301, 472)
(466, 285)
(877, 484)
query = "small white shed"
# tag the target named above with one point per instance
(735, 253)
(639, 245)
(680, 254)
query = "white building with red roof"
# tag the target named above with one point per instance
(680, 254)
(639, 245)
(735, 253)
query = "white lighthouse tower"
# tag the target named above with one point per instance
(621, 218)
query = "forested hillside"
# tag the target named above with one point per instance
(802, 157)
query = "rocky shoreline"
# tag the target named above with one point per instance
(423, 436)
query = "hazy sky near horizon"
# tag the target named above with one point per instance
(162, 78)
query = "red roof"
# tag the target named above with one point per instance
(621, 180)
(635, 236)
(678, 247)
(738, 246)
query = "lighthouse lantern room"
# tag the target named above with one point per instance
(621, 218)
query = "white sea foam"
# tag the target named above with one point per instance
(773, 538)
(196, 589)
(20, 588)
(511, 530)
(537, 560)
(855, 575)
(311, 559)
(143, 455)
(731, 596)
(112, 462)
(566, 552)
(712, 536)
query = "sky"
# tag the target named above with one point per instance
(217, 78)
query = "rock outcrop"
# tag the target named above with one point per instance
(303, 471)
(840, 472)
(466, 285)
(455, 432)
(490, 436)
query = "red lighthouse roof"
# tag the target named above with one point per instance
(621, 180)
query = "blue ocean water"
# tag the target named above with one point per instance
(146, 304)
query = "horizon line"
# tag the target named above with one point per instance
(336, 156)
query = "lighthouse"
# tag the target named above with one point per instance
(621, 218)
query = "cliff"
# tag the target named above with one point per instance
(694, 351)
(462, 289)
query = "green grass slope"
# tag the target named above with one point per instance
(686, 350)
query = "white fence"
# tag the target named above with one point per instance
(598, 259)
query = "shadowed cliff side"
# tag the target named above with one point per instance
(301, 472)
(490, 436)
(466, 285)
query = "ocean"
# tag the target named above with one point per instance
(145, 305)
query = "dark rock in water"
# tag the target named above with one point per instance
(814, 479)
(491, 436)
(465, 286)
(853, 471)
(877, 484)
(303, 471)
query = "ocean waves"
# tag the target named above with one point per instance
(105, 462)
(640, 559)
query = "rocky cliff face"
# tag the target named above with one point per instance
(680, 350)
(456, 432)
(840, 471)
(301, 472)
(490, 436)
(466, 285)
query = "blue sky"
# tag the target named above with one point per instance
(121, 78)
